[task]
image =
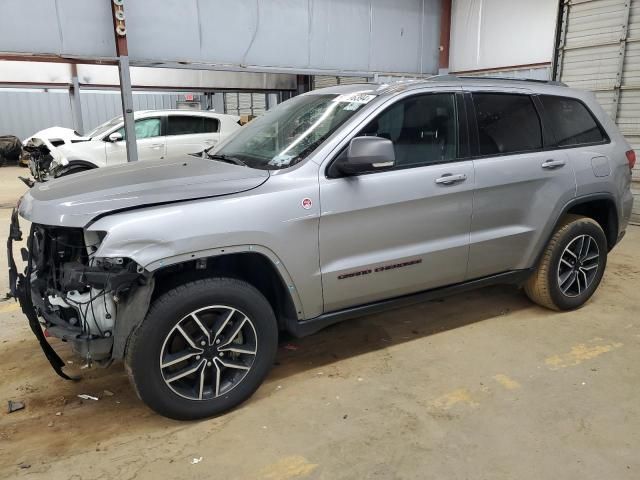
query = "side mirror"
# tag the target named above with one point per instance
(367, 154)
(115, 137)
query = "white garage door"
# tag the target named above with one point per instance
(599, 50)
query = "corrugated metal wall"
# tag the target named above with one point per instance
(599, 50)
(25, 111)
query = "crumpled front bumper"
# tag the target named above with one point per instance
(19, 289)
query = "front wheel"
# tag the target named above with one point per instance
(571, 266)
(203, 348)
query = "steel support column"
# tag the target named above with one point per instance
(74, 98)
(126, 95)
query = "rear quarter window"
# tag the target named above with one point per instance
(571, 122)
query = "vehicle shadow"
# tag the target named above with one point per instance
(394, 327)
(54, 402)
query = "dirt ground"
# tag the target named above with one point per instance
(481, 385)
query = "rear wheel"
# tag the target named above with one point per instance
(571, 266)
(203, 348)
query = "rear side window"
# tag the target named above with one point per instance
(187, 125)
(507, 123)
(570, 121)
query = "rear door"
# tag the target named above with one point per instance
(399, 231)
(522, 181)
(150, 141)
(191, 133)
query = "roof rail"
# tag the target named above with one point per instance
(508, 79)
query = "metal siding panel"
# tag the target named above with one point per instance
(400, 36)
(163, 29)
(594, 23)
(634, 21)
(591, 68)
(629, 112)
(222, 20)
(631, 67)
(86, 19)
(26, 112)
(396, 35)
(334, 24)
(18, 17)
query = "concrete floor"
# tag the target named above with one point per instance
(481, 385)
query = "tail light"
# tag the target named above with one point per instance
(631, 158)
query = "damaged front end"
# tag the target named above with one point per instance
(40, 158)
(76, 296)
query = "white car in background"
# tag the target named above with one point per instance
(159, 133)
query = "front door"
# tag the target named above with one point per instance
(150, 142)
(395, 232)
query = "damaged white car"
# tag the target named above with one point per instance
(57, 151)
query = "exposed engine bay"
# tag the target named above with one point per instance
(74, 294)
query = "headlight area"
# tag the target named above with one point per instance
(76, 294)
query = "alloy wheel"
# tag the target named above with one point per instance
(208, 352)
(578, 265)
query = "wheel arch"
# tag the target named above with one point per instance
(599, 207)
(254, 267)
(85, 164)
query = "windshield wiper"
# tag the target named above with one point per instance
(226, 159)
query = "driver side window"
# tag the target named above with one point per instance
(423, 129)
(145, 128)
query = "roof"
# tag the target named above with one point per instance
(439, 81)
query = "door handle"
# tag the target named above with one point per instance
(450, 179)
(551, 164)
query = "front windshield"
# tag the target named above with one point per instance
(292, 130)
(105, 127)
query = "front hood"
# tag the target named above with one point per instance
(75, 200)
(56, 133)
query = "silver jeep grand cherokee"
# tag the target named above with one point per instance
(337, 203)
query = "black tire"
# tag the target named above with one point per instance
(546, 287)
(148, 344)
(71, 169)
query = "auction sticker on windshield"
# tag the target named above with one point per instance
(357, 97)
